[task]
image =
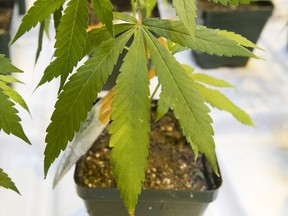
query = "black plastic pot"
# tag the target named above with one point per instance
(21, 5)
(103, 201)
(5, 36)
(247, 20)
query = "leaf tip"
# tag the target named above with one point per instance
(16, 190)
(25, 138)
(46, 167)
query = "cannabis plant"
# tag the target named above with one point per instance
(9, 120)
(182, 91)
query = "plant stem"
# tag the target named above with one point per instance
(133, 6)
(139, 12)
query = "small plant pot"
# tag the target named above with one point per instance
(166, 159)
(246, 20)
(6, 12)
(103, 201)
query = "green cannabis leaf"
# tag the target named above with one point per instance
(233, 2)
(206, 79)
(238, 38)
(9, 120)
(125, 17)
(206, 40)
(6, 182)
(150, 6)
(70, 41)
(12, 94)
(162, 106)
(221, 102)
(184, 99)
(103, 9)
(78, 96)
(36, 14)
(6, 67)
(97, 36)
(175, 47)
(9, 79)
(186, 10)
(40, 39)
(57, 15)
(130, 123)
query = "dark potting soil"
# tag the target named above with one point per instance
(5, 18)
(170, 163)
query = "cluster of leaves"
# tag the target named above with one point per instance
(9, 120)
(181, 91)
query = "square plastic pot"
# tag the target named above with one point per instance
(106, 202)
(247, 22)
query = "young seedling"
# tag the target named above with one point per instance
(182, 91)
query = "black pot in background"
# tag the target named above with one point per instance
(248, 22)
(6, 10)
(21, 5)
(103, 201)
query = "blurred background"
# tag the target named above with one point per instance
(253, 161)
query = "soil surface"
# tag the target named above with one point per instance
(5, 17)
(170, 163)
